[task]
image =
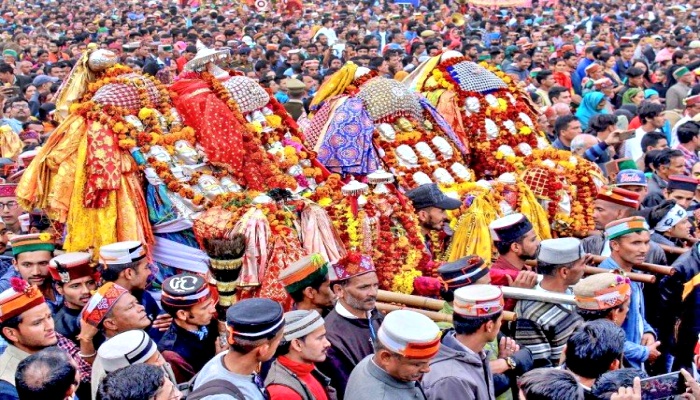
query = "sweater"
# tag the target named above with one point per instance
(285, 369)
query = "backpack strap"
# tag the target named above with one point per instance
(216, 386)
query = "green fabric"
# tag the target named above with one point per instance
(33, 247)
(306, 282)
(627, 164)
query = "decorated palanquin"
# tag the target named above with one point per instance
(498, 124)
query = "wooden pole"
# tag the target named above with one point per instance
(434, 315)
(386, 296)
(646, 267)
(652, 268)
(637, 277)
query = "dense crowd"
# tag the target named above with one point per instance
(615, 83)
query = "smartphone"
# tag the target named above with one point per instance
(542, 44)
(666, 386)
(627, 134)
(622, 123)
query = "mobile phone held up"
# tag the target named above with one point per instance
(627, 135)
(666, 386)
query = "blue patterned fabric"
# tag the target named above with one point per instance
(347, 146)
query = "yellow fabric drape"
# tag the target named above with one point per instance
(472, 235)
(10, 143)
(335, 85)
(533, 210)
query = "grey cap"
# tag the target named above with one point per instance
(430, 195)
(560, 251)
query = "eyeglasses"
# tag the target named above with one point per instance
(20, 106)
(11, 205)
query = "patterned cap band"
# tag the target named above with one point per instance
(8, 189)
(481, 309)
(625, 226)
(19, 298)
(102, 302)
(607, 298)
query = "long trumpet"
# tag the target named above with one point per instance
(458, 20)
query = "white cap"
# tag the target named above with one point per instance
(475, 301)
(411, 334)
(560, 251)
(122, 253)
(127, 348)
(299, 323)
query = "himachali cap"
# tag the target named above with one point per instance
(477, 301)
(682, 182)
(462, 272)
(121, 253)
(354, 264)
(602, 291)
(619, 196)
(680, 72)
(300, 274)
(692, 100)
(20, 297)
(299, 323)
(593, 68)
(631, 177)
(32, 242)
(254, 319)
(410, 334)
(8, 189)
(560, 251)
(430, 195)
(675, 215)
(185, 290)
(603, 83)
(127, 348)
(102, 302)
(66, 267)
(622, 227)
(510, 228)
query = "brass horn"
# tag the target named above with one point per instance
(457, 19)
(461, 2)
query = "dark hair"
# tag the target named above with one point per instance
(542, 75)
(651, 139)
(5, 68)
(688, 131)
(111, 274)
(593, 347)
(664, 157)
(298, 296)
(562, 122)
(610, 382)
(556, 91)
(601, 122)
(648, 111)
(45, 375)
(467, 326)
(550, 384)
(135, 382)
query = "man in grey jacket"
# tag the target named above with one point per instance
(406, 342)
(461, 368)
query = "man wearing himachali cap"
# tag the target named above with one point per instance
(607, 296)
(10, 210)
(629, 244)
(461, 368)
(74, 278)
(26, 324)
(516, 242)
(125, 264)
(307, 283)
(353, 324)
(293, 375)
(406, 343)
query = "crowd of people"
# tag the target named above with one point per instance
(615, 83)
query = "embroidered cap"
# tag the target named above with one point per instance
(619, 196)
(475, 301)
(20, 297)
(185, 290)
(102, 302)
(602, 291)
(32, 242)
(560, 251)
(66, 267)
(127, 348)
(302, 273)
(410, 334)
(462, 272)
(510, 228)
(8, 189)
(354, 264)
(622, 227)
(299, 323)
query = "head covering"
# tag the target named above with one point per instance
(510, 228)
(20, 297)
(680, 72)
(619, 196)
(9, 52)
(400, 75)
(682, 182)
(589, 108)
(692, 100)
(648, 93)
(354, 264)
(603, 83)
(593, 68)
(254, 319)
(631, 177)
(295, 86)
(42, 79)
(602, 291)
(625, 163)
(121, 253)
(302, 273)
(629, 94)
(695, 44)
(102, 302)
(127, 348)
(462, 272)
(8, 189)
(675, 215)
(185, 290)
(32, 242)
(476, 301)
(68, 266)
(430, 195)
(560, 251)
(410, 334)
(624, 226)
(299, 323)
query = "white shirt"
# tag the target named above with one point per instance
(329, 33)
(633, 146)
